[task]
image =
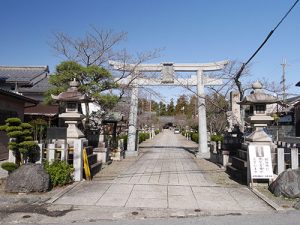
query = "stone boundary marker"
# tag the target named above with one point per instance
(267, 200)
(65, 190)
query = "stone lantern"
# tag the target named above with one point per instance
(258, 118)
(72, 97)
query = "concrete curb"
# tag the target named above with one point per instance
(55, 197)
(267, 200)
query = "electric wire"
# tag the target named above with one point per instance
(266, 39)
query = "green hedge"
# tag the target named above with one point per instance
(195, 137)
(143, 137)
(157, 132)
(217, 137)
(9, 166)
(61, 173)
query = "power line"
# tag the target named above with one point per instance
(266, 39)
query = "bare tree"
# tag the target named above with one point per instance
(95, 48)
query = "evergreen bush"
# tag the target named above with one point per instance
(20, 134)
(195, 137)
(61, 173)
(9, 166)
(216, 137)
(143, 137)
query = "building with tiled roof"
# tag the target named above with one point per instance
(31, 82)
(37, 90)
(15, 77)
(11, 105)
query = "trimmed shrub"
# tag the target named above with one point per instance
(156, 132)
(9, 166)
(20, 134)
(143, 137)
(61, 173)
(14, 121)
(217, 137)
(195, 137)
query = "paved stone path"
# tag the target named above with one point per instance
(164, 176)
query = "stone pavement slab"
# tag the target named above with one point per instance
(88, 193)
(164, 176)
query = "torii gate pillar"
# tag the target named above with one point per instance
(132, 126)
(202, 127)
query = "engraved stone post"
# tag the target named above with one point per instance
(77, 160)
(280, 160)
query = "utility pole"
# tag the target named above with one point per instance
(150, 106)
(283, 64)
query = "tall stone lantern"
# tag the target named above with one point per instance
(72, 97)
(258, 118)
(259, 144)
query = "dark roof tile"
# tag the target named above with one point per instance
(17, 96)
(40, 87)
(23, 74)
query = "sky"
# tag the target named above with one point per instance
(188, 31)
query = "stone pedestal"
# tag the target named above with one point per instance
(116, 155)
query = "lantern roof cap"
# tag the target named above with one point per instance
(258, 96)
(72, 94)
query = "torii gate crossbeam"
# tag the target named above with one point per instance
(168, 70)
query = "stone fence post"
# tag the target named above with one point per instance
(280, 160)
(51, 152)
(282, 146)
(294, 158)
(77, 160)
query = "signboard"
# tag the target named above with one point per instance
(260, 162)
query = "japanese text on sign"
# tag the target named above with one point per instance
(260, 162)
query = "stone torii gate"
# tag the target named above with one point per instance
(167, 70)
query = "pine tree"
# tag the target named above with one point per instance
(21, 141)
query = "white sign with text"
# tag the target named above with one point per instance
(260, 162)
